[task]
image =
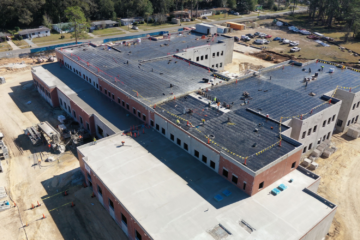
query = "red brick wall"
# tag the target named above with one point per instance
(132, 224)
(53, 92)
(79, 112)
(59, 56)
(269, 176)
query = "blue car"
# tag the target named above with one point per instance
(276, 39)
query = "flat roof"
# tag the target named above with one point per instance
(86, 96)
(33, 30)
(104, 21)
(171, 194)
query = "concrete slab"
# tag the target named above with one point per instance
(13, 46)
(171, 194)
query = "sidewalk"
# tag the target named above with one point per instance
(13, 46)
(28, 41)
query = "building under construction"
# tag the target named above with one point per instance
(229, 167)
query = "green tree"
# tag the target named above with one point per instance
(148, 10)
(231, 4)
(270, 4)
(47, 22)
(114, 17)
(77, 21)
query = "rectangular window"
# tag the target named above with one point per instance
(111, 204)
(65, 105)
(217, 65)
(197, 59)
(356, 119)
(328, 136)
(61, 102)
(100, 131)
(329, 120)
(81, 120)
(309, 131)
(70, 110)
(324, 123)
(113, 96)
(315, 127)
(123, 219)
(213, 55)
(204, 159)
(97, 86)
(74, 113)
(178, 141)
(88, 126)
(127, 106)
(324, 137)
(152, 123)
(352, 121)
(220, 64)
(134, 111)
(319, 141)
(304, 150)
(206, 56)
(339, 123)
(358, 104)
(186, 147)
(139, 114)
(144, 117)
(354, 106)
(119, 101)
(261, 185)
(84, 76)
(105, 91)
(196, 153)
(89, 80)
(157, 127)
(172, 137)
(137, 235)
(304, 134)
(217, 54)
(310, 146)
(225, 173)
(123, 103)
(348, 123)
(234, 179)
(244, 186)
(293, 165)
(99, 190)
(213, 66)
(202, 58)
(333, 118)
(163, 130)
(109, 93)
(212, 164)
(222, 53)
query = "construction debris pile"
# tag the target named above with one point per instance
(324, 150)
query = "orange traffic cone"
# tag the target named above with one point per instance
(32, 206)
(14, 204)
(208, 140)
(65, 193)
(72, 204)
(43, 216)
(38, 204)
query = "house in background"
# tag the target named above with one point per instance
(35, 32)
(63, 27)
(127, 21)
(201, 13)
(181, 14)
(103, 24)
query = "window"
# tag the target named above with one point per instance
(222, 53)
(178, 141)
(217, 65)
(196, 153)
(354, 106)
(348, 123)
(90, 80)
(139, 114)
(87, 79)
(213, 55)
(60, 101)
(123, 219)
(329, 120)
(97, 86)
(324, 137)
(324, 123)
(144, 117)
(88, 126)
(309, 131)
(293, 164)
(111, 204)
(163, 131)
(261, 185)
(304, 134)
(157, 127)
(123, 103)
(81, 120)
(206, 56)
(328, 136)
(202, 58)
(319, 141)
(225, 173)
(80, 74)
(70, 110)
(127, 106)
(152, 123)
(212, 164)
(84, 76)
(310, 146)
(137, 235)
(186, 147)
(356, 119)
(358, 104)
(220, 64)
(213, 66)
(109, 94)
(105, 91)
(197, 59)
(352, 121)
(217, 54)
(74, 113)
(314, 130)
(100, 131)
(244, 186)
(333, 118)
(119, 101)
(339, 123)
(304, 150)
(234, 179)
(99, 190)
(113, 96)
(172, 137)
(204, 159)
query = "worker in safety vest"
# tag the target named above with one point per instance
(178, 121)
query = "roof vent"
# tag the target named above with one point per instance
(211, 136)
(254, 145)
(256, 130)
(247, 226)
(219, 232)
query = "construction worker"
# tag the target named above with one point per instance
(309, 70)
(322, 68)
(178, 121)
(203, 121)
(218, 104)
(214, 99)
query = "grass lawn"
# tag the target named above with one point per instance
(4, 46)
(107, 32)
(55, 37)
(223, 17)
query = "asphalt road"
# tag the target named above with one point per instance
(17, 53)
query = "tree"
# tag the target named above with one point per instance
(106, 8)
(114, 17)
(148, 10)
(47, 22)
(231, 4)
(77, 21)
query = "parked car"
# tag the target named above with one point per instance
(204, 17)
(294, 43)
(262, 35)
(268, 36)
(135, 28)
(236, 39)
(236, 14)
(277, 39)
(256, 34)
(314, 37)
(295, 49)
(245, 38)
(286, 41)
(260, 41)
(250, 35)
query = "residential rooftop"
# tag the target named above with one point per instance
(86, 96)
(171, 194)
(33, 30)
(104, 22)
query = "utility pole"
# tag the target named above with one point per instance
(76, 35)
(191, 9)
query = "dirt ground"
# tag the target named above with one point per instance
(340, 184)
(309, 48)
(253, 63)
(29, 184)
